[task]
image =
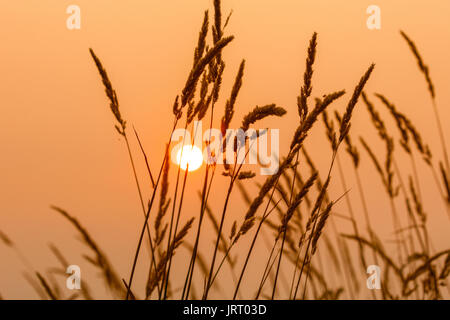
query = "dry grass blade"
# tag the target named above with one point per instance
(374, 159)
(233, 230)
(178, 240)
(110, 93)
(388, 175)
(445, 180)
(203, 103)
(350, 148)
(197, 71)
(418, 205)
(59, 256)
(259, 113)
(217, 30)
(425, 267)
(177, 109)
(345, 123)
(425, 71)
(446, 268)
(267, 186)
(399, 120)
(306, 89)
(243, 175)
(379, 251)
(6, 240)
(214, 96)
(110, 276)
(37, 287)
(298, 199)
(201, 260)
(375, 117)
(145, 157)
(329, 126)
(313, 167)
(132, 296)
(320, 226)
(215, 224)
(405, 126)
(245, 227)
(302, 131)
(315, 212)
(46, 287)
(86, 292)
(199, 50)
(422, 66)
(156, 276)
(114, 105)
(229, 106)
(163, 201)
(319, 200)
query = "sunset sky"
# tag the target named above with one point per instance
(58, 141)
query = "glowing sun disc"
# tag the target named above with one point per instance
(189, 155)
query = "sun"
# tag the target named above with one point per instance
(190, 157)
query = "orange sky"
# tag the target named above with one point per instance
(59, 145)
